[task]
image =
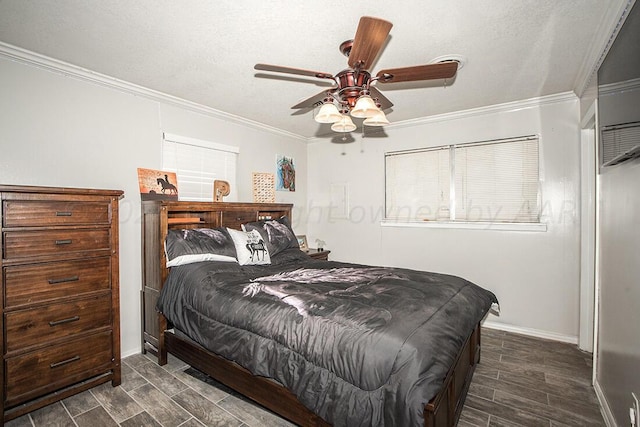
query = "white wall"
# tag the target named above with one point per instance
(535, 275)
(57, 130)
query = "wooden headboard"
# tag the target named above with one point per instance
(160, 216)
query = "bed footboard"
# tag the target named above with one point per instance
(442, 411)
(445, 408)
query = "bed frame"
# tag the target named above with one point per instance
(158, 217)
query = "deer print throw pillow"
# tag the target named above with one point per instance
(200, 244)
(250, 247)
(277, 234)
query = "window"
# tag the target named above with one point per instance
(197, 164)
(492, 181)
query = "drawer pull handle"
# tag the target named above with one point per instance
(64, 362)
(64, 242)
(60, 322)
(63, 214)
(63, 280)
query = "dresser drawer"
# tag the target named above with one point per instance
(23, 213)
(26, 284)
(25, 328)
(57, 366)
(19, 244)
(234, 219)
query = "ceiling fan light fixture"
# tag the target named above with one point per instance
(344, 125)
(328, 113)
(353, 93)
(379, 119)
(364, 108)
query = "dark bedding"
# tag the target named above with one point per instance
(358, 345)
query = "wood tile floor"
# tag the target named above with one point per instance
(521, 381)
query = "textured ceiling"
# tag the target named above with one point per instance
(204, 51)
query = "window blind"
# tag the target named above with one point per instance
(491, 181)
(497, 181)
(197, 163)
(417, 185)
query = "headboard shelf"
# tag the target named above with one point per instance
(158, 216)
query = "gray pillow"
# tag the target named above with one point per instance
(276, 233)
(199, 244)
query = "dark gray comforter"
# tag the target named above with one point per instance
(358, 345)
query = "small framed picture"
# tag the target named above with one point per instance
(302, 241)
(157, 185)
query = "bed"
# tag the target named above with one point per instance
(318, 342)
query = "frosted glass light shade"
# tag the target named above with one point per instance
(344, 125)
(328, 114)
(378, 119)
(364, 108)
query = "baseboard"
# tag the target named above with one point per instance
(604, 405)
(531, 332)
(129, 353)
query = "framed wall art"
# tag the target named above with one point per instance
(157, 184)
(264, 190)
(286, 173)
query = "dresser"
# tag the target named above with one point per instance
(60, 294)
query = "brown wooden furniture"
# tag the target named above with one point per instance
(157, 218)
(443, 410)
(60, 294)
(316, 254)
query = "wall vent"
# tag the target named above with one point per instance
(620, 143)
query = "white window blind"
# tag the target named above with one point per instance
(197, 164)
(497, 181)
(493, 181)
(418, 185)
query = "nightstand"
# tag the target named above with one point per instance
(316, 254)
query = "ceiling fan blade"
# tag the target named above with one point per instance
(382, 100)
(314, 100)
(289, 70)
(441, 70)
(370, 37)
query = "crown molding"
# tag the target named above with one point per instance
(489, 109)
(612, 88)
(604, 37)
(27, 57)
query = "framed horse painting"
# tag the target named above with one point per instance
(157, 185)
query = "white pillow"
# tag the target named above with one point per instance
(250, 248)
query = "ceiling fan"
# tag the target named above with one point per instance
(354, 93)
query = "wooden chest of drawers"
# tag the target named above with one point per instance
(60, 294)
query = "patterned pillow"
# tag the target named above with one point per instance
(250, 247)
(277, 234)
(198, 244)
